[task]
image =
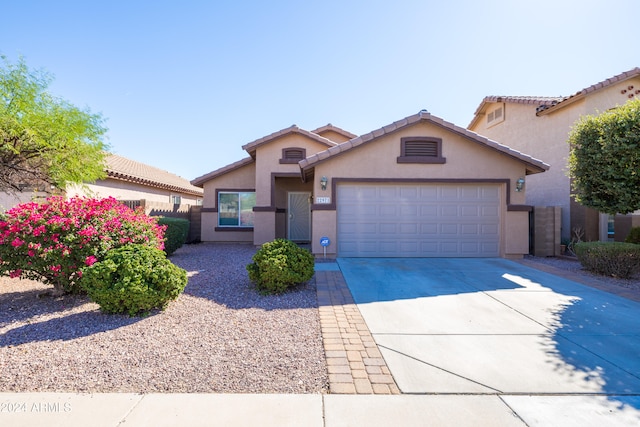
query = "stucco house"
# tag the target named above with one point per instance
(135, 181)
(540, 126)
(417, 187)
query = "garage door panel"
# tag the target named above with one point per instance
(388, 228)
(418, 220)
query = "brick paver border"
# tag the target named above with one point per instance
(354, 361)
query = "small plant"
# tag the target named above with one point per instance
(176, 233)
(634, 236)
(609, 258)
(279, 265)
(133, 279)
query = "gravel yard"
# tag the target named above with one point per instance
(219, 336)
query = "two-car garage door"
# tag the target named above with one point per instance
(418, 220)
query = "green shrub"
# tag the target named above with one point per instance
(176, 233)
(634, 236)
(609, 258)
(279, 265)
(133, 279)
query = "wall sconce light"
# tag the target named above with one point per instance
(519, 184)
(323, 182)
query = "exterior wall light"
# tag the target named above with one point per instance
(519, 184)
(323, 182)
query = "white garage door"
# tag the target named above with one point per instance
(418, 220)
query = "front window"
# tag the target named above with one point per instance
(235, 209)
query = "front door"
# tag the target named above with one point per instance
(299, 224)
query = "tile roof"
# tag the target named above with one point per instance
(330, 127)
(634, 72)
(121, 168)
(546, 104)
(225, 169)
(252, 146)
(533, 165)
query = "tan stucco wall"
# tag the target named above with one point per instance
(268, 161)
(8, 201)
(123, 190)
(465, 159)
(243, 178)
(545, 137)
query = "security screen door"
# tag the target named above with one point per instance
(299, 224)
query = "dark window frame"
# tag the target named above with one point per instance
(437, 159)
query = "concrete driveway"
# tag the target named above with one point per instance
(493, 326)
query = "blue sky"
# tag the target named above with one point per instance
(184, 84)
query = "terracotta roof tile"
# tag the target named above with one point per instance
(533, 165)
(634, 72)
(546, 104)
(252, 146)
(121, 168)
(330, 127)
(225, 169)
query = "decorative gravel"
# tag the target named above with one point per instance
(220, 335)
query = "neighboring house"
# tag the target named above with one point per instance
(28, 194)
(540, 126)
(130, 180)
(420, 186)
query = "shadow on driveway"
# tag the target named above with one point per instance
(493, 325)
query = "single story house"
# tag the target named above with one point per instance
(133, 181)
(418, 187)
(540, 126)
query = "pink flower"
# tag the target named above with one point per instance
(15, 273)
(90, 260)
(17, 242)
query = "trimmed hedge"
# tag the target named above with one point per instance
(133, 279)
(176, 233)
(609, 258)
(279, 265)
(634, 236)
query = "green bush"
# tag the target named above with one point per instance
(609, 258)
(634, 236)
(176, 233)
(133, 279)
(279, 265)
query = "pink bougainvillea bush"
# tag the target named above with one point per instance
(52, 241)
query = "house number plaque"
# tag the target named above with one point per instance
(323, 200)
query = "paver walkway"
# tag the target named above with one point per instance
(354, 361)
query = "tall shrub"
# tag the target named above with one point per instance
(176, 233)
(52, 241)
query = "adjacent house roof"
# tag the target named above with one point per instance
(546, 104)
(543, 109)
(225, 169)
(307, 165)
(253, 146)
(121, 168)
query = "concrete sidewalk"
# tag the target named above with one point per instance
(194, 410)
